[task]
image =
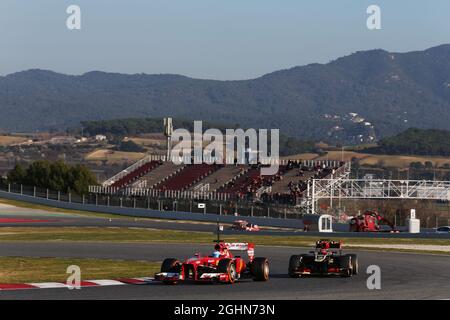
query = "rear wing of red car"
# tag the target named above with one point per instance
(241, 246)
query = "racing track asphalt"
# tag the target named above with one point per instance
(403, 275)
(84, 221)
(61, 219)
(114, 222)
(43, 218)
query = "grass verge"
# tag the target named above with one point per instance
(93, 214)
(123, 234)
(23, 270)
(28, 205)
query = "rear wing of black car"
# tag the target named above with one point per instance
(331, 244)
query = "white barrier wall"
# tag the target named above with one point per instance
(413, 223)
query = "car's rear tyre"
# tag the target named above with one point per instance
(345, 265)
(355, 264)
(294, 264)
(170, 265)
(227, 266)
(260, 269)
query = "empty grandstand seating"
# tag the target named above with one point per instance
(221, 177)
(135, 174)
(159, 174)
(187, 177)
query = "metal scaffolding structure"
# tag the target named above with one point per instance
(345, 188)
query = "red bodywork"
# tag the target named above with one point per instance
(205, 268)
(243, 225)
(369, 221)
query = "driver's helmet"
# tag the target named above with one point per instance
(215, 254)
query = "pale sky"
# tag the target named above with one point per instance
(226, 39)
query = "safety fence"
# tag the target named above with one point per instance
(161, 203)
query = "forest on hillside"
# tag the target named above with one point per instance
(415, 142)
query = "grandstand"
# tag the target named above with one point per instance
(154, 177)
(136, 174)
(187, 176)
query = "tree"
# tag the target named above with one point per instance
(55, 176)
(39, 174)
(3, 181)
(415, 142)
(82, 179)
(416, 165)
(17, 175)
(129, 146)
(428, 164)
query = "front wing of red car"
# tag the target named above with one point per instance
(206, 277)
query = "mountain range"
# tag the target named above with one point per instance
(361, 97)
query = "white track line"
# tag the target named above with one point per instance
(48, 285)
(61, 285)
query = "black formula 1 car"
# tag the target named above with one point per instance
(327, 259)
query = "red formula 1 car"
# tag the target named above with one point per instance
(370, 221)
(242, 225)
(327, 259)
(221, 266)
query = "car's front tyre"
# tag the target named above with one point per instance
(170, 265)
(355, 264)
(294, 264)
(227, 266)
(345, 266)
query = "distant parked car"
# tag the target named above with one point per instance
(445, 229)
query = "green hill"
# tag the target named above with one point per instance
(390, 92)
